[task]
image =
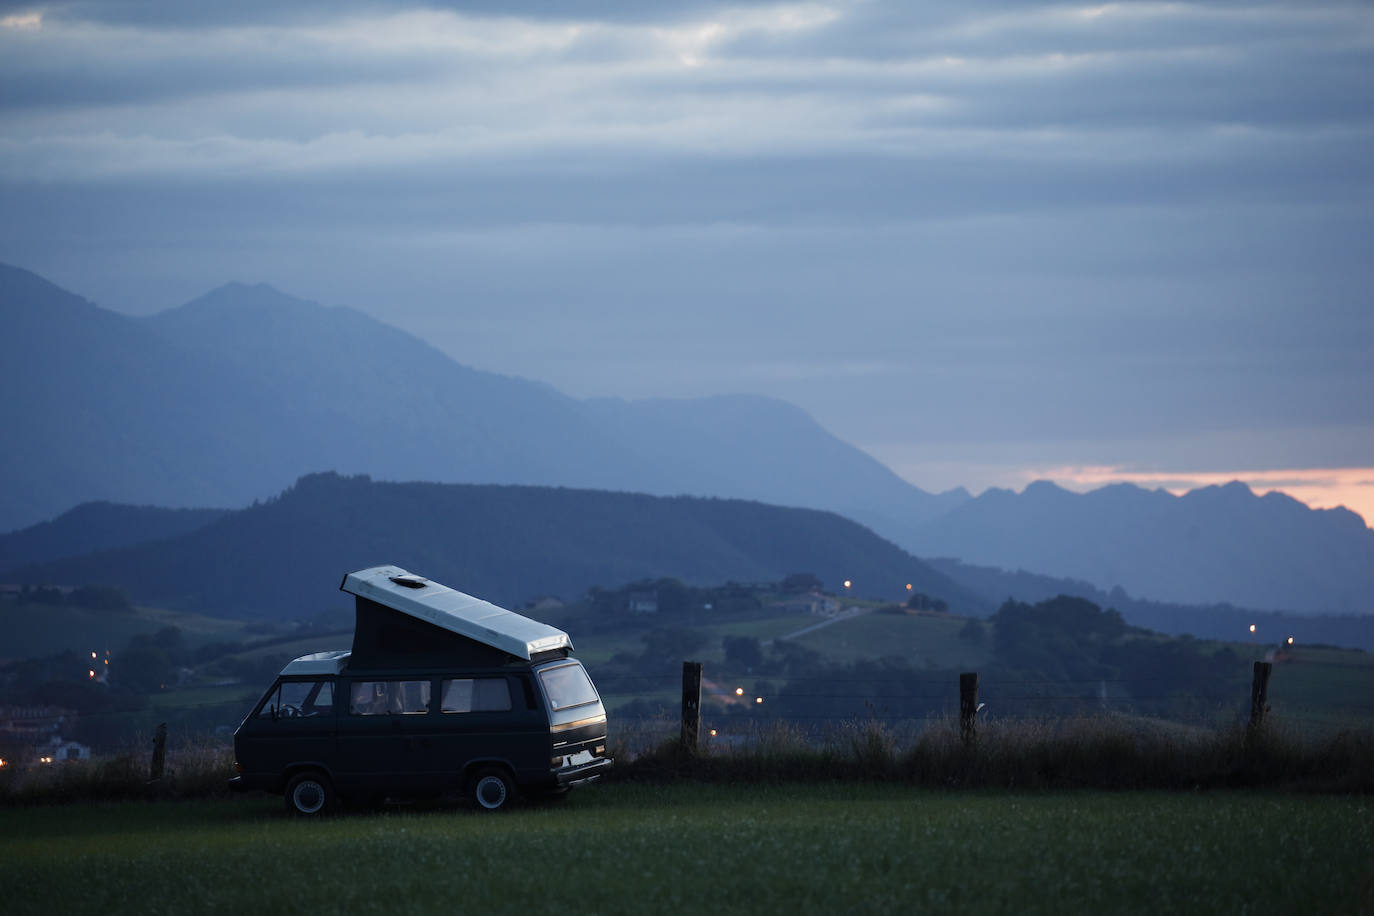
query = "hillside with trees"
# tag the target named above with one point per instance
(283, 559)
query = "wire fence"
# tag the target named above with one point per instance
(738, 703)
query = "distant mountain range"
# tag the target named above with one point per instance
(231, 397)
(281, 559)
(1216, 544)
(284, 558)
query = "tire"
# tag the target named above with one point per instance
(309, 794)
(491, 789)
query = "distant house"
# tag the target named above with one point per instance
(58, 751)
(814, 603)
(642, 602)
(33, 734)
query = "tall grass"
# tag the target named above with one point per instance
(195, 769)
(1097, 752)
(1101, 752)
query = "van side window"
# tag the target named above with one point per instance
(482, 694)
(389, 698)
(299, 699)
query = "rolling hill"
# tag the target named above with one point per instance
(96, 526)
(284, 558)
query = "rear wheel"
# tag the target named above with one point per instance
(491, 789)
(309, 794)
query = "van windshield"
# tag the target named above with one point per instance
(567, 686)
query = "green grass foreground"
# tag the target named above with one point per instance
(619, 848)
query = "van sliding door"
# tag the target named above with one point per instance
(383, 736)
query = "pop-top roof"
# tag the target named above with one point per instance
(454, 611)
(319, 663)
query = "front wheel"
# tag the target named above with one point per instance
(492, 789)
(309, 794)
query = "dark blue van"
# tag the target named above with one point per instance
(442, 693)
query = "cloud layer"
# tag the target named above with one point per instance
(995, 235)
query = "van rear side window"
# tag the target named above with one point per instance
(567, 686)
(483, 694)
(389, 698)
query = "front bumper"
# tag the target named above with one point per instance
(583, 772)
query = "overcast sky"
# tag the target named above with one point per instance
(986, 242)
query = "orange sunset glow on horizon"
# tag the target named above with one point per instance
(1319, 488)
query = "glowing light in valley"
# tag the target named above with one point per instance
(1290, 640)
(847, 583)
(908, 586)
(758, 699)
(739, 691)
(1252, 628)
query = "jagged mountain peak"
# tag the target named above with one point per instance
(1045, 489)
(236, 294)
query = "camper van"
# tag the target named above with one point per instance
(441, 693)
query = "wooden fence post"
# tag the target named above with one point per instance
(968, 707)
(159, 753)
(1259, 695)
(691, 706)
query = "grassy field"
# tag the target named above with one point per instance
(924, 639)
(192, 697)
(1324, 687)
(619, 848)
(596, 648)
